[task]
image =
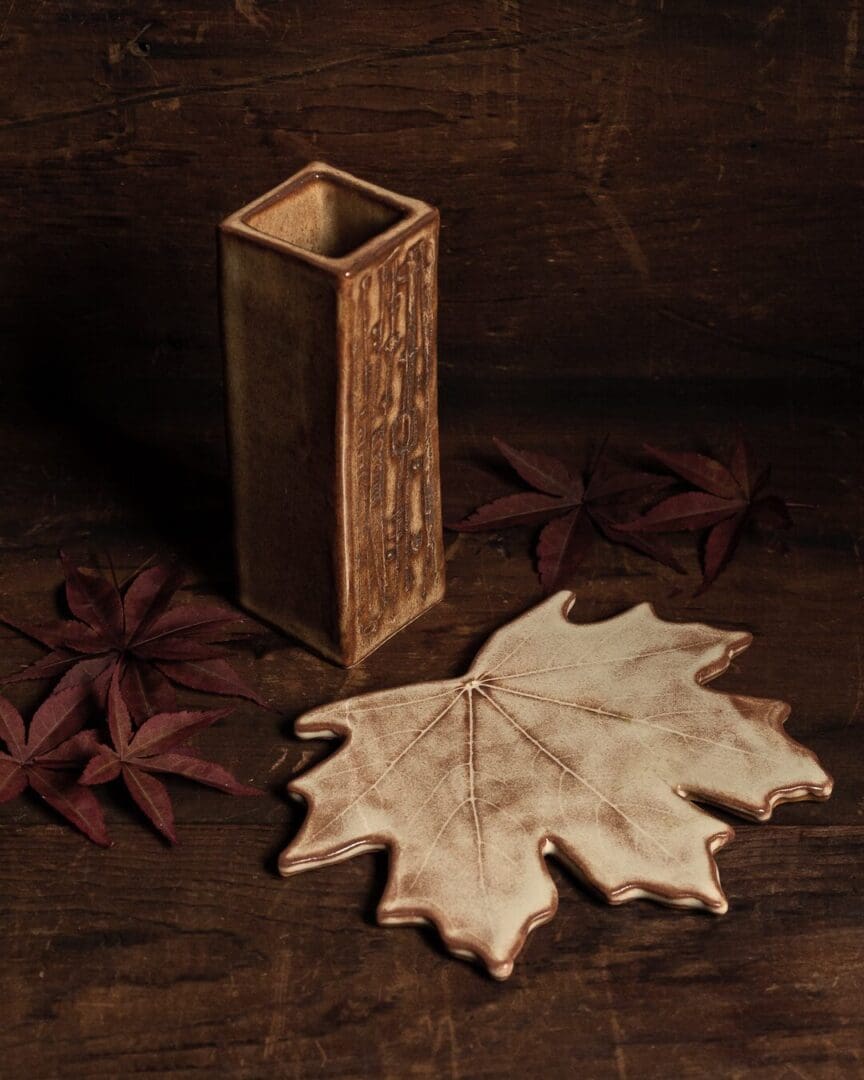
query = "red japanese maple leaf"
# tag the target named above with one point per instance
(49, 758)
(156, 747)
(725, 500)
(133, 630)
(580, 506)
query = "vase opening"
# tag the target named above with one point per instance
(325, 217)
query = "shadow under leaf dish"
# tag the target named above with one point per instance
(586, 742)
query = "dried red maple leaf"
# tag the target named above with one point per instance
(133, 630)
(49, 759)
(581, 507)
(725, 500)
(156, 747)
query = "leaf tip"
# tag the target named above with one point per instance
(716, 903)
(248, 790)
(825, 789)
(499, 970)
(288, 864)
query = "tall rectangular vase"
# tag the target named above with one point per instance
(329, 305)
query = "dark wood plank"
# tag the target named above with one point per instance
(690, 167)
(207, 962)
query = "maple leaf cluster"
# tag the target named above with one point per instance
(134, 631)
(722, 502)
(614, 502)
(119, 657)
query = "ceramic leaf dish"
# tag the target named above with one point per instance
(586, 742)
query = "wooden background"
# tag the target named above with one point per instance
(652, 228)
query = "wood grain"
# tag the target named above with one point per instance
(651, 229)
(215, 965)
(691, 167)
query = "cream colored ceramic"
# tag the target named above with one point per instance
(586, 742)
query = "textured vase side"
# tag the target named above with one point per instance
(329, 302)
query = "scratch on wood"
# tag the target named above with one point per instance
(453, 548)
(608, 132)
(7, 17)
(412, 52)
(614, 1024)
(280, 761)
(754, 347)
(845, 89)
(300, 765)
(278, 1020)
(250, 11)
(859, 663)
(851, 50)
(322, 1052)
(859, 654)
(776, 14)
(622, 231)
(446, 1028)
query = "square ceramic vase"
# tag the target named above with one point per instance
(329, 304)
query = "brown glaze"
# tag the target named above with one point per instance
(329, 304)
(583, 742)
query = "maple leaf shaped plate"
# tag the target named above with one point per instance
(586, 742)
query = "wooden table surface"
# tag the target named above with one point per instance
(651, 230)
(201, 958)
